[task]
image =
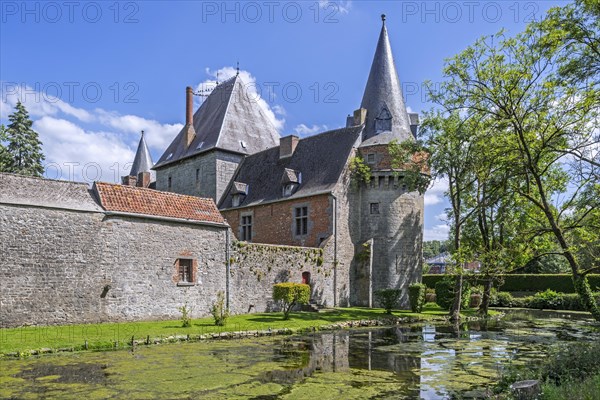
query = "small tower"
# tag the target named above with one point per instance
(390, 218)
(141, 173)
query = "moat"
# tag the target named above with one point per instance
(427, 361)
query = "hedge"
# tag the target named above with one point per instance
(547, 300)
(526, 282)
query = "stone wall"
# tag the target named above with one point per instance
(206, 175)
(61, 266)
(65, 266)
(255, 268)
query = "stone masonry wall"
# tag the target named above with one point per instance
(63, 267)
(255, 268)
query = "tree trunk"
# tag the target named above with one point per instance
(455, 310)
(485, 300)
(582, 287)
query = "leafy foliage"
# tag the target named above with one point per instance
(218, 310)
(361, 172)
(23, 154)
(388, 298)
(416, 296)
(411, 159)
(290, 294)
(445, 293)
(186, 315)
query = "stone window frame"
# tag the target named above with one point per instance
(169, 183)
(301, 221)
(374, 208)
(371, 158)
(246, 229)
(192, 272)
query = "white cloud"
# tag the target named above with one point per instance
(436, 232)
(73, 153)
(103, 151)
(254, 91)
(435, 194)
(303, 130)
(341, 6)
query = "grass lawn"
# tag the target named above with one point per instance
(105, 335)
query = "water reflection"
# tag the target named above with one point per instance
(428, 361)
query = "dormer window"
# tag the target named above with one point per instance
(290, 181)
(289, 189)
(383, 122)
(239, 192)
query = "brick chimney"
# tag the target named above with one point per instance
(287, 146)
(129, 180)
(360, 116)
(143, 179)
(190, 133)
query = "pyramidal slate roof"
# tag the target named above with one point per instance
(143, 160)
(320, 159)
(383, 91)
(229, 119)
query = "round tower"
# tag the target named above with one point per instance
(390, 217)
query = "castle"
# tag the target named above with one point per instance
(289, 209)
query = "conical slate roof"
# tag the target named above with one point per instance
(383, 97)
(229, 119)
(143, 160)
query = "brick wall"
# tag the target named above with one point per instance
(275, 223)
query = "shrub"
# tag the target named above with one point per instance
(416, 296)
(388, 298)
(502, 299)
(526, 282)
(218, 310)
(186, 318)
(444, 294)
(290, 294)
(573, 362)
(548, 299)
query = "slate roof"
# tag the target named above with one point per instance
(143, 160)
(320, 159)
(30, 191)
(229, 119)
(384, 90)
(129, 199)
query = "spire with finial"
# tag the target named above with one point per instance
(237, 69)
(383, 99)
(143, 160)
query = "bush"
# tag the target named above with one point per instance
(218, 310)
(502, 299)
(547, 299)
(186, 318)
(388, 298)
(416, 296)
(290, 294)
(444, 294)
(526, 282)
(573, 362)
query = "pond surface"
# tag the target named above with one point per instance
(428, 361)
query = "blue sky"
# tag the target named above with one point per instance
(93, 74)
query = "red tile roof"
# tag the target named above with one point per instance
(135, 200)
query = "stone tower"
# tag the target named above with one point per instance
(205, 154)
(389, 218)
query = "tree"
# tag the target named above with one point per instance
(514, 85)
(4, 157)
(290, 294)
(24, 147)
